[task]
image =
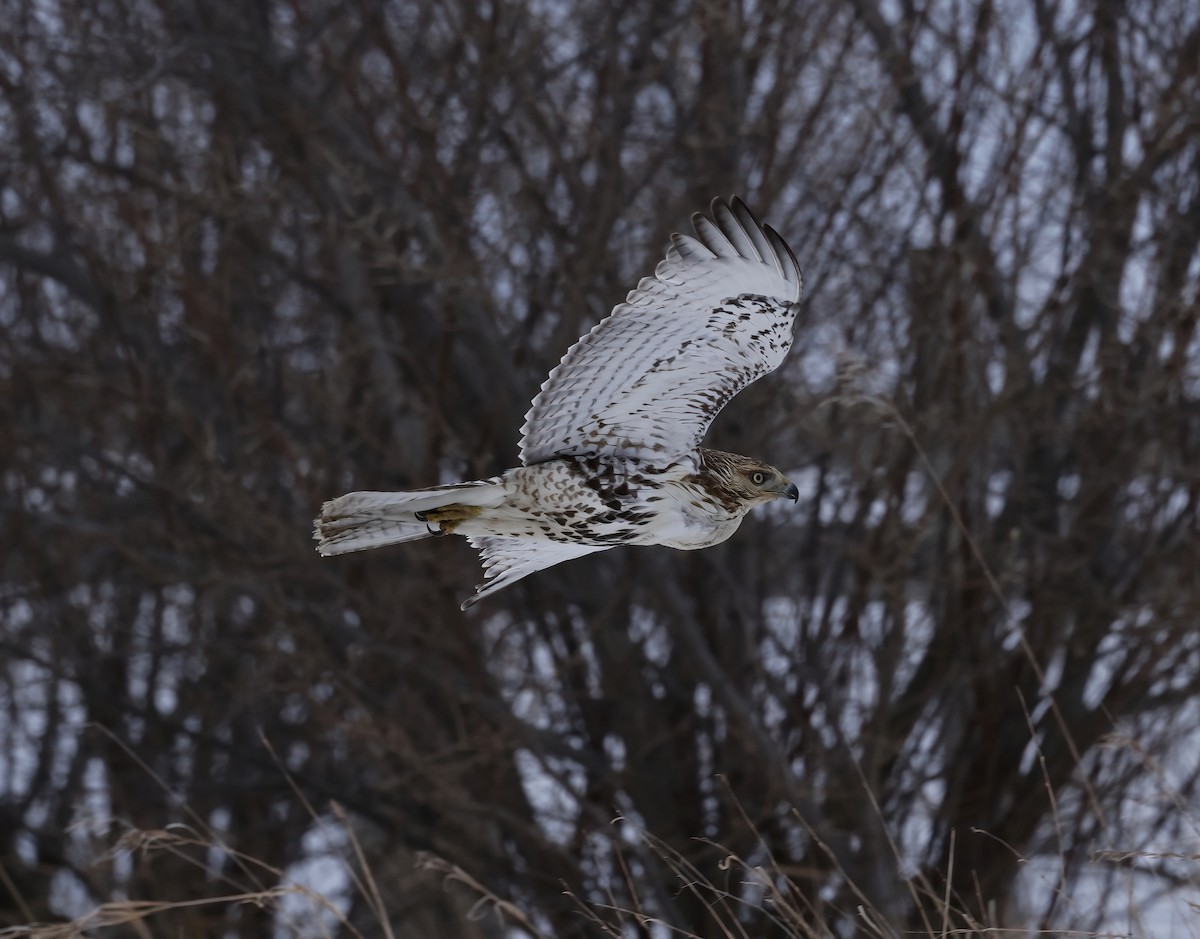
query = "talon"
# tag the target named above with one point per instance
(445, 519)
(450, 513)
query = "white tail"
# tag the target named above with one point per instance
(361, 520)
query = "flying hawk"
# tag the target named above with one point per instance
(610, 450)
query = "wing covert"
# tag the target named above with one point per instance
(648, 380)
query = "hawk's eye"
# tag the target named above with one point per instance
(758, 478)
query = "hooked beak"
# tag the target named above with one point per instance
(791, 492)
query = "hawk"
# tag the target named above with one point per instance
(610, 450)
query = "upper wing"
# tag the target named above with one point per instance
(649, 379)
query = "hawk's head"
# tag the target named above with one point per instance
(739, 482)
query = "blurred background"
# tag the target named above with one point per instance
(256, 254)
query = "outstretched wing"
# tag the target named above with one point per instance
(507, 560)
(649, 379)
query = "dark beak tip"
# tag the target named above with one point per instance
(792, 492)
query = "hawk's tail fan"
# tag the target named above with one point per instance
(361, 520)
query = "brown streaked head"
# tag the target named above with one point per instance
(740, 481)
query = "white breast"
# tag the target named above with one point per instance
(688, 520)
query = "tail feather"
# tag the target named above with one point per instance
(363, 533)
(361, 520)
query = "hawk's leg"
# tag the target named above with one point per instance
(448, 517)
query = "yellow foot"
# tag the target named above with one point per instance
(449, 517)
